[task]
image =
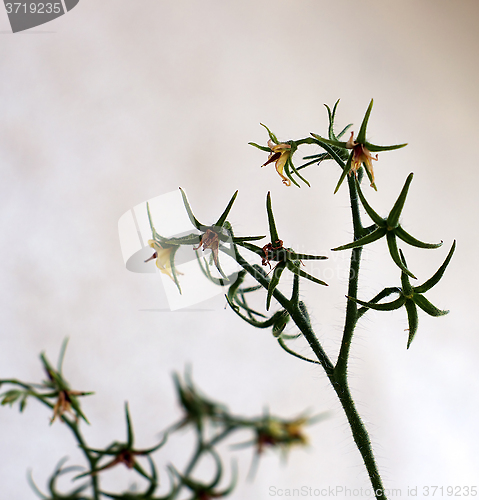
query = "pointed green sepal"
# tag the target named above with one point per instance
(381, 295)
(405, 236)
(154, 448)
(407, 288)
(388, 306)
(393, 218)
(427, 285)
(412, 320)
(109, 451)
(345, 172)
(140, 470)
(361, 137)
(316, 159)
(377, 149)
(370, 177)
(263, 148)
(331, 152)
(271, 135)
(218, 267)
(222, 219)
(173, 269)
(291, 164)
(129, 428)
(287, 171)
(240, 239)
(427, 307)
(192, 218)
(61, 356)
(272, 226)
(252, 248)
(338, 144)
(393, 250)
(57, 379)
(150, 219)
(155, 235)
(293, 353)
(277, 272)
(345, 129)
(76, 406)
(189, 239)
(301, 256)
(296, 270)
(369, 238)
(331, 116)
(375, 217)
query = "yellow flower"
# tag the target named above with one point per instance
(162, 256)
(280, 155)
(361, 155)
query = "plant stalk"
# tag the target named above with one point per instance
(340, 377)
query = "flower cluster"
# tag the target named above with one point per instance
(352, 156)
(210, 422)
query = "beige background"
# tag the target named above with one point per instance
(120, 101)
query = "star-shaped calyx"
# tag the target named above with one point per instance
(124, 453)
(214, 235)
(361, 150)
(197, 407)
(410, 297)
(390, 228)
(281, 153)
(67, 399)
(285, 257)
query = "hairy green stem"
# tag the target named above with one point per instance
(337, 374)
(339, 382)
(361, 437)
(351, 307)
(340, 377)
